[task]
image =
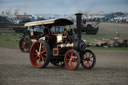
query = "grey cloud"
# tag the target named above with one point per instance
(65, 5)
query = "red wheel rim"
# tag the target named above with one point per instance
(38, 54)
(71, 60)
(87, 60)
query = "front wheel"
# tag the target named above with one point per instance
(72, 59)
(88, 59)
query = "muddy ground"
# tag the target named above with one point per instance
(111, 69)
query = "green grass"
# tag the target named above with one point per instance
(9, 44)
(7, 31)
(91, 37)
(9, 40)
(97, 37)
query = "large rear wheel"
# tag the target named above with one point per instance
(72, 59)
(40, 54)
(88, 59)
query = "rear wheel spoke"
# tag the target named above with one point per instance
(44, 58)
(40, 47)
(36, 58)
(36, 51)
(45, 55)
(39, 55)
(43, 47)
(39, 61)
(43, 52)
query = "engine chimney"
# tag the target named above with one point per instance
(78, 24)
(79, 44)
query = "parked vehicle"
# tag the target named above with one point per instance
(30, 35)
(91, 29)
(59, 46)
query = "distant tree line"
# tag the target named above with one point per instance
(4, 19)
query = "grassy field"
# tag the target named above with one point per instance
(106, 30)
(9, 40)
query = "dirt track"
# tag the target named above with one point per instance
(15, 69)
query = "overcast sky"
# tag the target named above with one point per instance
(64, 6)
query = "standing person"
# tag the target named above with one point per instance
(47, 30)
(117, 33)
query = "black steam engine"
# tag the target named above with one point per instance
(61, 49)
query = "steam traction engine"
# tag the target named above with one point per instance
(62, 49)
